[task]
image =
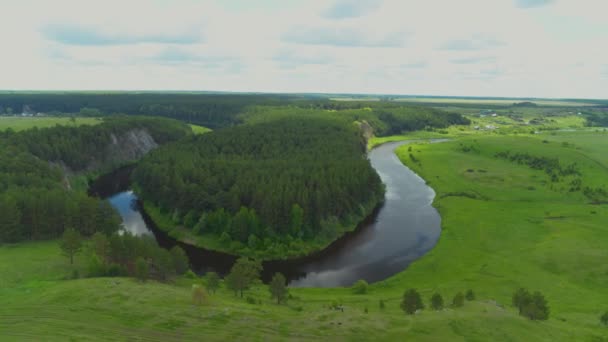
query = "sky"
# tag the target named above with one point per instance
(507, 48)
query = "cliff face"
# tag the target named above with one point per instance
(123, 148)
(130, 146)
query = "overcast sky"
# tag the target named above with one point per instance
(522, 48)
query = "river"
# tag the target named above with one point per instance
(401, 231)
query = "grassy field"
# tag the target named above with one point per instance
(37, 303)
(23, 123)
(505, 226)
(199, 129)
(472, 101)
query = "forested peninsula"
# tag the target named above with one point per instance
(272, 190)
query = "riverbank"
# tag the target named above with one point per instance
(506, 225)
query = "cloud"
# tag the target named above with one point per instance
(345, 9)
(476, 42)
(533, 3)
(84, 36)
(343, 37)
(473, 60)
(289, 59)
(414, 65)
(481, 75)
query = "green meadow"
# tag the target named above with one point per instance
(23, 123)
(505, 226)
(196, 129)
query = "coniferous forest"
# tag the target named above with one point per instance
(38, 169)
(265, 188)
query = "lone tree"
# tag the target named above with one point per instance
(141, 269)
(243, 274)
(604, 318)
(411, 302)
(533, 306)
(437, 302)
(458, 300)
(71, 243)
(213, 281)
(278, 288)
(470, 295)
(180, 260)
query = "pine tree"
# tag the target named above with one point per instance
(71, 243)
(278, 288)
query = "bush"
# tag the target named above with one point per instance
(190, 275)
(360, 287)
(533, 306)
(458, 300)
(411, 302)
(250, 300)
(381, 304)
(437, 302)
(604, 318)
(470, 295)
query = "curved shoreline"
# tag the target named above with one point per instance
(407, 229)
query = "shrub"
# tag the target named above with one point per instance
(458, 300)
(190, 275)
(604, 318)
(411, 302)
(470, 295)
(199, 295)
(437, 302)
(381, 304)
(533, 306)
(250, 300)
(360, 287)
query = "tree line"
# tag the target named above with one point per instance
(226, 110)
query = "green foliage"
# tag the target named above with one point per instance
(436, 302)
(141, 269)
(411, 302)
(70, 244)
(180, 260)
(34, 169)
(604, 318)
(458, 300)
(360, 287)
(381, 304)
(531, 305)
(243, 274)
(213, 281)
(278, 288)
(470, 295)
(287, 181)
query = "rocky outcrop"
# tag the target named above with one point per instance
(130, 146)
(122, 149)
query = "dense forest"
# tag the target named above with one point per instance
(266, 187)
(225, 110)
(36, 201)
(209, 110)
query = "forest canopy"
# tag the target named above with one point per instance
(36, 199)
(271, 187)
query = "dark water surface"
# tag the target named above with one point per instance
(401, 231)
